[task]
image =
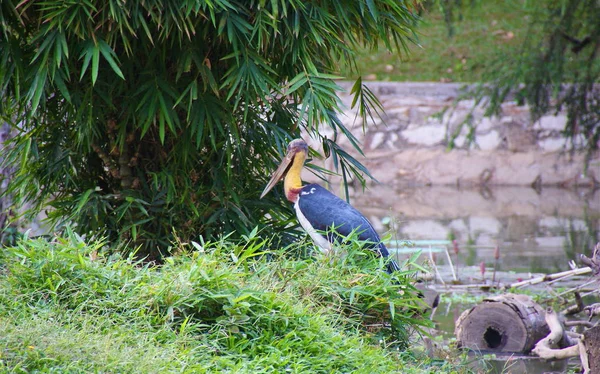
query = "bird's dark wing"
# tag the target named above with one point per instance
(324, 210)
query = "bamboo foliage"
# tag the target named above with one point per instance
(138, 118)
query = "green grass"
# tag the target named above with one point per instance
(67, 306)
(483, 32)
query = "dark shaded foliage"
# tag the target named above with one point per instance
(140, 118)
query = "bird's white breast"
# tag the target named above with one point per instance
(319, 239)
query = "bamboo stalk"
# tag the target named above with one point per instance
(451, 265)
(551, 277)
(437, 272)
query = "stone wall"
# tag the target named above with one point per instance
(410, 147)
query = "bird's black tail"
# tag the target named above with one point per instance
(392, 265)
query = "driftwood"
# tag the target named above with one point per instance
(586, 346)
(549, 347)
(505, 323)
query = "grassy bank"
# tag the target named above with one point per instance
(481, 33)
(67, 307)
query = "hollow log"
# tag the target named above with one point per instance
(505, 323)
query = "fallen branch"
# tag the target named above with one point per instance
(547, 348)
(585, 324)
(592, 310)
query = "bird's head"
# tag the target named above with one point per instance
(296, 147)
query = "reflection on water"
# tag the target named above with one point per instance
(537, 231)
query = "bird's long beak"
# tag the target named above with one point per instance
(279, 173)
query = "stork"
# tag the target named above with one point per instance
(318, 210)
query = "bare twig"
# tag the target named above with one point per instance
(578, 287)
(574, 309)
(590, 293)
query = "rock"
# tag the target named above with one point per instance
(556, 123)
(377, 140)
(486, 124)
(519, 138)
(424, 135)
(552, 144)
(509, 150)
(488, 141)
(487, 224)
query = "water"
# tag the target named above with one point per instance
(536, 232)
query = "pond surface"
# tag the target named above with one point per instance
(536, 231)
(533, 232)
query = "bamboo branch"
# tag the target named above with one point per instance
(550, 277)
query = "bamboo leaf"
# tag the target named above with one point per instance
(60, 83)
(109, 56)
(95, 63)
(86, 53)
(83, 200)
(38, 88)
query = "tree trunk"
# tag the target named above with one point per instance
(591, 341)
(506, 323)
(5, 175)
